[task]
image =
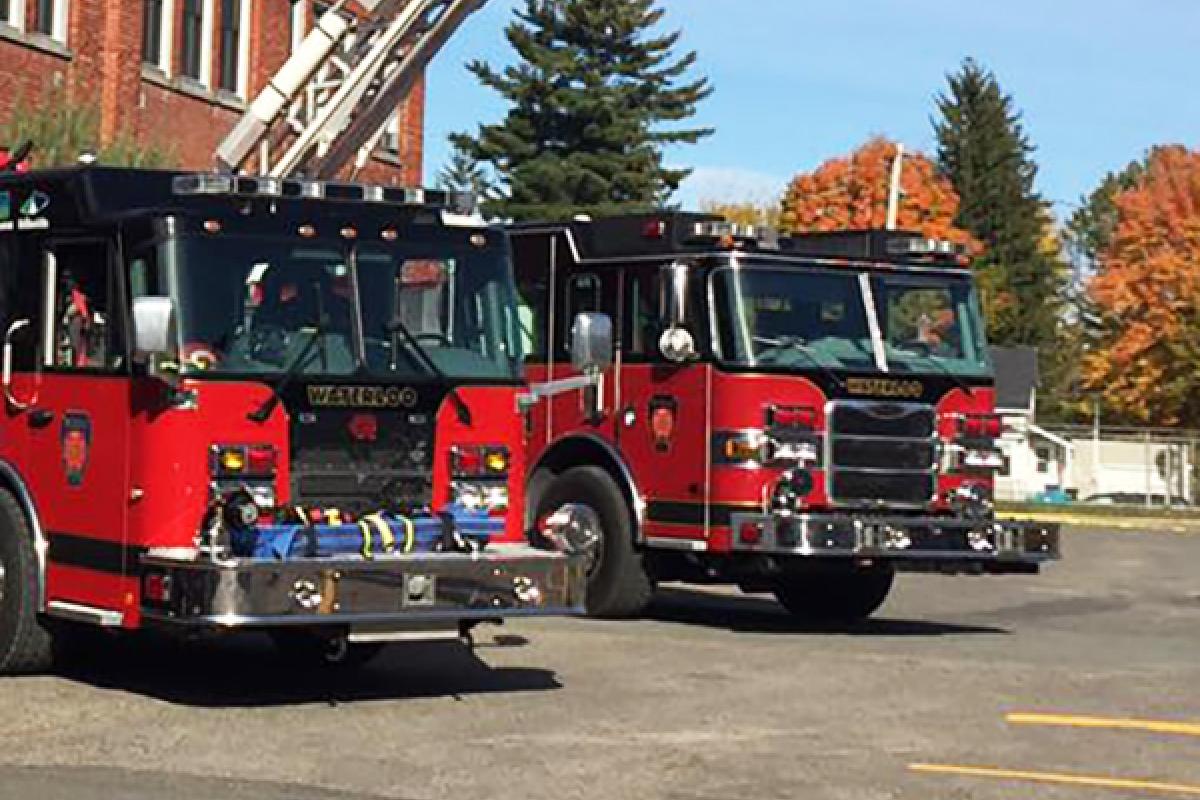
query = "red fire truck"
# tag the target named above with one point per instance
(238, 402)
(802, 415)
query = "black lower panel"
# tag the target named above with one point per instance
(851, 486)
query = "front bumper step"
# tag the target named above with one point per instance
(393, 592)
(1007, 545)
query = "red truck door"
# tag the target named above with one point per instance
(662, 420)
(78, 427)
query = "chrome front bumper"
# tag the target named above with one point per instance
(912, 542)
(389, 592)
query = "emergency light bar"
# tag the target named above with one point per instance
(731, 232)
(908, 246)
(217, 185)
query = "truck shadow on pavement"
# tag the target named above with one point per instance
(761, 614)
(246, 671)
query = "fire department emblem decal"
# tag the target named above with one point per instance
(76, 446)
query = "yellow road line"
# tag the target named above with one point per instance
(1092, 781)
(1072, 721)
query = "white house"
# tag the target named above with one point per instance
(1107, 465)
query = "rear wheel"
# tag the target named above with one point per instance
(835, 596)
(619, 584)
(25, 645)
(309, 648)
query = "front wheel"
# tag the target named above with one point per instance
(835, 596)
(25, 645)
(618, 583)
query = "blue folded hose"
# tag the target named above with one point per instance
(373, 536)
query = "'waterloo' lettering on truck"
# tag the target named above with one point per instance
(803, 415)
(230, 406)
(362, 397)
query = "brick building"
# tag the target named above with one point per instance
(176, 73)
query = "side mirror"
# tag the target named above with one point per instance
(154, 337)
(592, 343)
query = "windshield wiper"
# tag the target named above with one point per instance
(263, 412)
(460, 407)
(799, 345)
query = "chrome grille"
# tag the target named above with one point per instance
(881, 453)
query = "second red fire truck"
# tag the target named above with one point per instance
(804, 415)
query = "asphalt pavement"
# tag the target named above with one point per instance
(1082, 682)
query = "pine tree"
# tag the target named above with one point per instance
(984, 151)
(464, 174)
(593, 97)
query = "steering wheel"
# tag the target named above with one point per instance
(200, 356)
(265, 344)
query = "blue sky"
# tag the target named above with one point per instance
(797, 82)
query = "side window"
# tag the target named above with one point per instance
(583, 293)
(643, 320)
(146, 278)
(85, 327)
(924, 316)
(533, 290)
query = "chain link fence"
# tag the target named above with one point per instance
(1149, 467)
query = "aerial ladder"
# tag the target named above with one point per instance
(330, 104)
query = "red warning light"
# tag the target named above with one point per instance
(654, 229)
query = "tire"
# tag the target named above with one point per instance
(25, 645)
(835, 596)
(312, 649)
(619, 584)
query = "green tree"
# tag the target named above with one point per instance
(596, 94)
(1086, 236)
(463, 173)
(984, 151)
(62, 129)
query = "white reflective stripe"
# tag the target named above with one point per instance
(864, 280)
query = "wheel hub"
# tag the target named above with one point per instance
(577, 529)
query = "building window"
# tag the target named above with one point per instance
(50, 18)
(193, 27)
(152, 17)
(157, 33)
(12, 12)
(196, 58)
(391, 135)
(233, 46)
(1043, 460)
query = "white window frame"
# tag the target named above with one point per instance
(299, 23)
(390, 140)
(62, 12)
(207, 18)
(16, 15)
(166, 39)
(243, 65)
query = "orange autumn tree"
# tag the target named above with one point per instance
(852, 192)
(1146, 364)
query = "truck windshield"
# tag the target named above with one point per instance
(253, 305)
(795, 318)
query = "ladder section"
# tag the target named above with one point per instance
(331, 103)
